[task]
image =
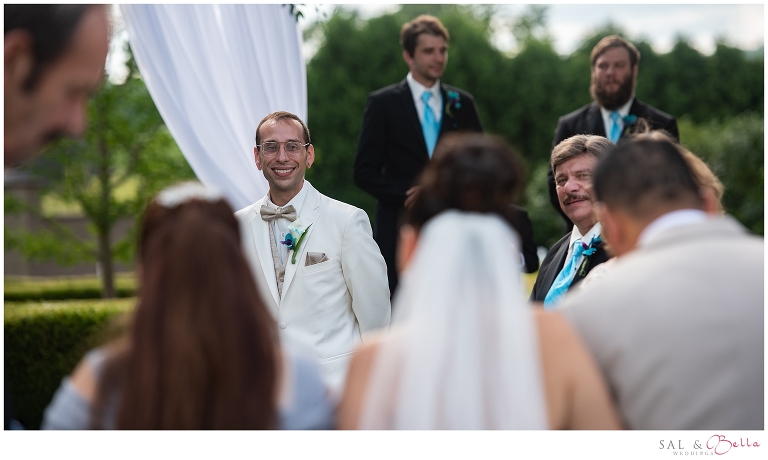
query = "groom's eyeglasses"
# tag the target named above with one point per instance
(292, 148)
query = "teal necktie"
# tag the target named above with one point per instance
(563, 281)
(615, 129)
(429, 126)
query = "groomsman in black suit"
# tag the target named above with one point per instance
(615, 109)
(401, 125)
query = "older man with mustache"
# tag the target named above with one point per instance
(570, 259)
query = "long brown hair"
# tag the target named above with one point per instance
(469, 172)
(201, 352)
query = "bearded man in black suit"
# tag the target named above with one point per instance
(401, 125)
(615, 109)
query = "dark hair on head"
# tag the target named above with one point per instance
(578, 145)
(702, 173)
(469, 172)
(202, 351)
(274, 117)
(613, 41)
(646, 178)
(51, 28)
(424, 24)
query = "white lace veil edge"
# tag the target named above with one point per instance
(462, 352)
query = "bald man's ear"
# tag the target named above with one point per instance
(711, 203)
(19, 57)
(611, 231)
(620, 231)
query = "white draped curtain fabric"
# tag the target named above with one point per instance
(214, 71)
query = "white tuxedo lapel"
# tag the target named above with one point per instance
(309, 216)
(260, 235)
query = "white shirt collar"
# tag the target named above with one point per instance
(436, 101)
(623, 112)
(576, 235)
(591, 233)
(296, 201)
(670, 220)
(417, 88)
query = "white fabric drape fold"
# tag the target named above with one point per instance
(214, 71)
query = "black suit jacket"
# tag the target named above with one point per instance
(589, 120)
(554, 262)
(391, 153)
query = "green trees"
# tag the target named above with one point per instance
(126, 147)
(520, 97)
(734, 149)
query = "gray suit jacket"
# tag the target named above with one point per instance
(677, 329)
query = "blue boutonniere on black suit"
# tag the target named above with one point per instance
(454, 102)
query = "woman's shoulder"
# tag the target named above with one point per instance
(71, 404)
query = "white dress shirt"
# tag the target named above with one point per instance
(436, 101)
(623, 112)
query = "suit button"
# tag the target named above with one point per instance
(281, 279)
(283, 325)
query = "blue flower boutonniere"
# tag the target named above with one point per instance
(589, 250)
(629, 123)
(454, 101)
(629, 119)
(296, 233)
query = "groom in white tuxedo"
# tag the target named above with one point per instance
(314, 258)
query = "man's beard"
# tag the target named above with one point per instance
(612, 101)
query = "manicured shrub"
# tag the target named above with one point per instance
(43, 343)
(19, 289)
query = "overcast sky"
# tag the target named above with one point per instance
(741, 25)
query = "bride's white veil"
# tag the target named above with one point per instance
(462, 351)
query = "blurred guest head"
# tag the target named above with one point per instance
(639, 181)
(712, 189)
(202, 349)
(54, 60)
(614, 63)
(573, 162)
(468, 172)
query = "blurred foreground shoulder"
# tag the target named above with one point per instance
(577, 395)
(360, 369)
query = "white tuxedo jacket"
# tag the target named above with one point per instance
(326, 307)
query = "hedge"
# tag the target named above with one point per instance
(19, 289)
(43, 343)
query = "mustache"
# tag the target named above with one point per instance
(571, 197)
